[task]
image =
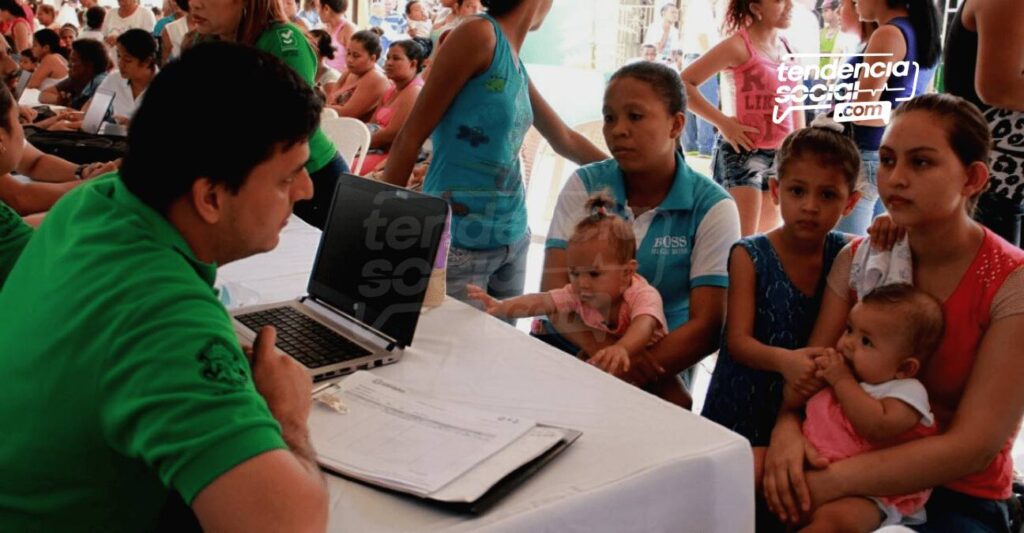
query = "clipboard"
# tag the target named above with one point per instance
(503, 487)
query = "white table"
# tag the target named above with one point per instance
(641, 464)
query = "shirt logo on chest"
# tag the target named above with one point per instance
(670, 245)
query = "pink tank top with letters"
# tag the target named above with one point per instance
(757, 83)
(338, 63)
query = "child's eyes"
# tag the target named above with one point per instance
(865, 341)
(608, 118)
(796, 191)
(635, 116)
(828, 195)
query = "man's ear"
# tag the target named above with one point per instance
(208, 199)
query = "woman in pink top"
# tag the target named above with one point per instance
(16, 23)
(403, 67)
(332, 14)
(743, 160)
(933, 167)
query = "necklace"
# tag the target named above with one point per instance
(774, 53)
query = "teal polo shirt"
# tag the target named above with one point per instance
(683, 243)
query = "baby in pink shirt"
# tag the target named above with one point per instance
(889, 336)
(605, 291)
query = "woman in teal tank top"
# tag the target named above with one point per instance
(262, 24)
(477, 106)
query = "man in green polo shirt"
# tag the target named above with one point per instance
(14, 234)
(123, 379)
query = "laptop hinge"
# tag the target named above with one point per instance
(390, 343)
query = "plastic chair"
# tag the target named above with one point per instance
(328, 113)
(351, 137)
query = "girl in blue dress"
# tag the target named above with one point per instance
(776, 281)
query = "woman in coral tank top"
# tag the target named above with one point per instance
(933, 167)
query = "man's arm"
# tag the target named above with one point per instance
(278, 490)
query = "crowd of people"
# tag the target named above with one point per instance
(861, 280)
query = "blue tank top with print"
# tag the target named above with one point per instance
(476, 153)
(870, 137)
(747, 400)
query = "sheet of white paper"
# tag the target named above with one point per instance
(473, 484)
(404, 441)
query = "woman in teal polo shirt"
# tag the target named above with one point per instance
(478, 104)
(262, 24)
(684, 223)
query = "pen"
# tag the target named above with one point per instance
(321, 388)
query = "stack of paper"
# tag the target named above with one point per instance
(403, 441)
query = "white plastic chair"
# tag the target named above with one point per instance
(328, 113)
(351, 137)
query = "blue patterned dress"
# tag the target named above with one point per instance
(747, 400)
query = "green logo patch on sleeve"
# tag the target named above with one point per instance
(222, 364)
(287, 38)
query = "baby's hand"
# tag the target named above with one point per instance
(491, 304)
(800, 371)
(612, 359)
(884, 232)
(832, 367)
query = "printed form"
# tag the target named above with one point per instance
(400, 440)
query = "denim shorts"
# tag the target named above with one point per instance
(752, 168)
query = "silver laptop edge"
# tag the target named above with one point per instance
(382, 352)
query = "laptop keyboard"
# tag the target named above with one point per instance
(303, 338)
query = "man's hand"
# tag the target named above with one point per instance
(96, 169)
(283, 383)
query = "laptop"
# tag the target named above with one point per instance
(21, 84)
(98, 107)
(366, 289)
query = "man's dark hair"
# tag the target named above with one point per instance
(94, 54)
(94, 17)
(217, 131)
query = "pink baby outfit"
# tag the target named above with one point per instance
(638, 300)
(757, 83)
(830, 432)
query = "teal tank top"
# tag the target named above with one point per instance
(476, 153)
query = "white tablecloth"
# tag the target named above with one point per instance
(640, 465)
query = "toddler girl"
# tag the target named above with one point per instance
(605, 291)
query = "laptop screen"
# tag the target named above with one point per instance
(376, 254)
(97, 110)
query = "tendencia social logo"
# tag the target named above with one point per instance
(836, 84)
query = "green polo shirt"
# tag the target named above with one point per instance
(122, 376)
(289, 44)
(14, 234)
